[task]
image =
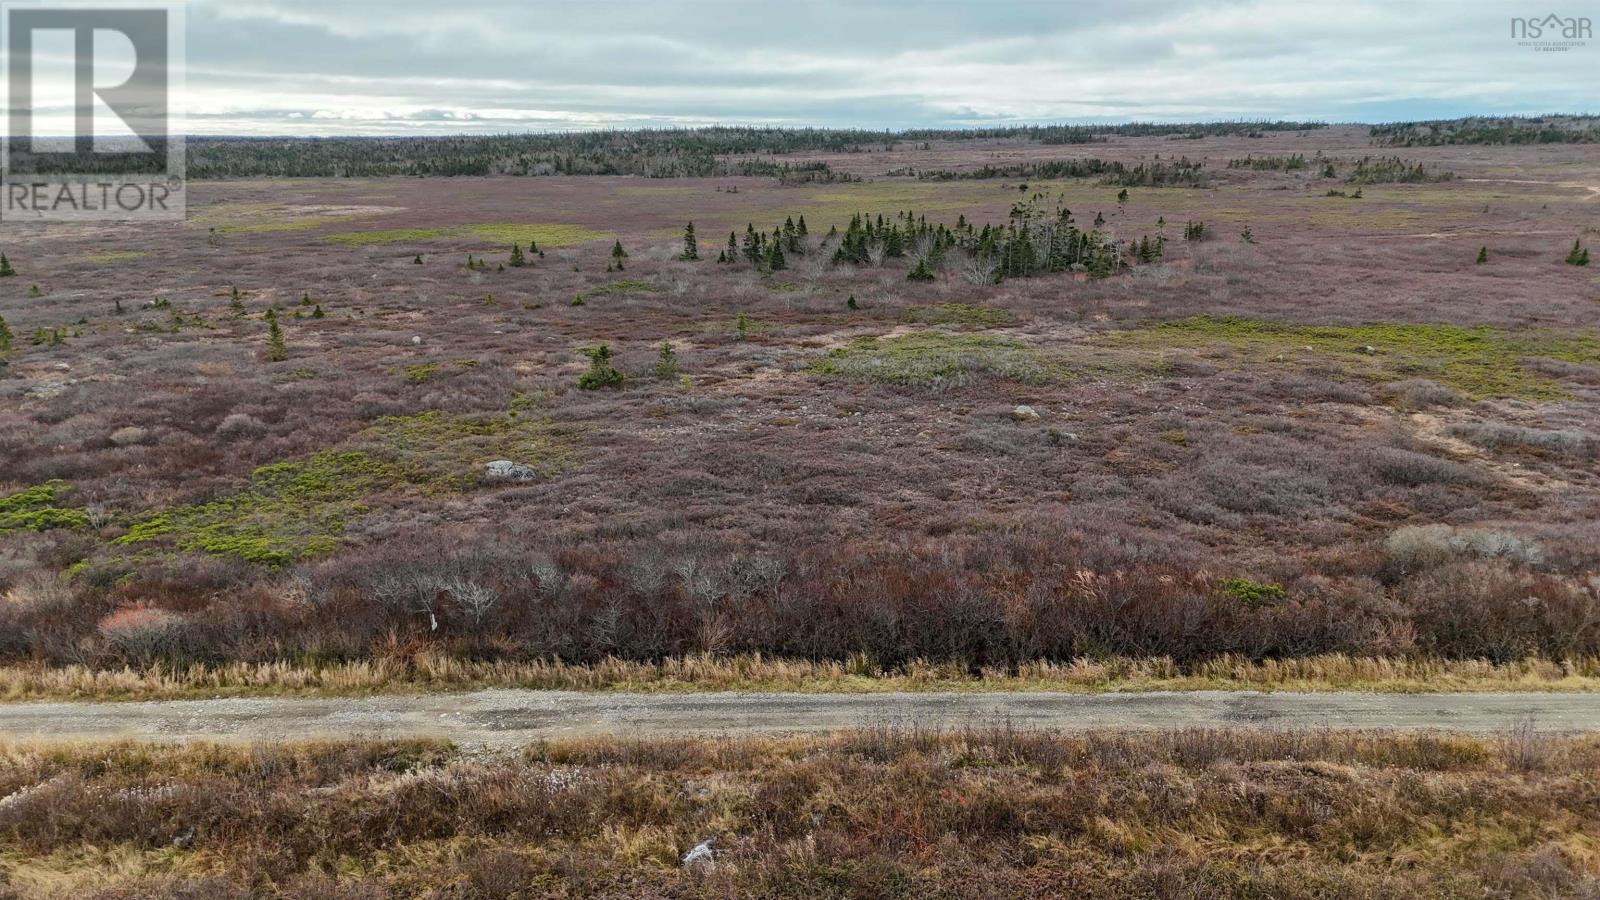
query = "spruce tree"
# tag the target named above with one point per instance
(418, 260)
(691, 248)
(318, 313)
(6, 337)
(601, 373)
(517, 259)
(277, 349)
(5, 267)
(1579, 255)
(1483, 255)
(618, 255)
(851, 303)
(667, 363)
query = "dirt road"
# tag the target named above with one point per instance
(506, 718)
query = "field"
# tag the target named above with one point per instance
(1320, 430)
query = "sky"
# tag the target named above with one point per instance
(333, 67)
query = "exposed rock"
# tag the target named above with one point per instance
(702, 853)
(506, 470)
(1025, 414)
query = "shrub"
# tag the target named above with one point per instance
(1419, 547)
(1498, 436)
(143, 634)
(1252, 594)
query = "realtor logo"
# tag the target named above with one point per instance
(1553, 33)
(90, 125)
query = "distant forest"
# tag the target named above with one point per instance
(1553, 129)
(664, 153)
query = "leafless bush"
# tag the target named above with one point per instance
(1498, 436)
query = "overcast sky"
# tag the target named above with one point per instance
(414, 66)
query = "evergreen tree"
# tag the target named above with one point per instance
(618, 255)
(920, 272)
(277, 349)
(6, 337)
(1483, 254)
(318, 313)
(517, 259)
(1122, 197)
(601, 373)
(733, 247)
(1579, 255)
(774, 261)
(5, 267)
(1247, 235)
(235, 303)
(691, 248)
(667, 363)
(851, 303)
(418, 260)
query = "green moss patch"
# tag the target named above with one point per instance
(630, 286)
(933, 359)
(959, 314)
(1479, 362)
(35, 509)
(296, 509)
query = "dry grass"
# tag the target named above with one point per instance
(439, 672)
(879, 813)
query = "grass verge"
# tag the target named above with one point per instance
(432, 672)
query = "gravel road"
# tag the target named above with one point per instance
(501, 718)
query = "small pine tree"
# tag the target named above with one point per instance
(578, 300)
(305, 300)
(6, 337)
(618, 255)
(517, 259)
(691, 248)
(601, 374)
(317, 313)
(236, 303)
(1122, 197)
(1247, 235)
(921, 271)
(743, 326)
(5, 267)
(1579, 255)
(851, 303)
(1483, 254)
(277, 349)
(1099, 220)
(418, 260)
(667, 363)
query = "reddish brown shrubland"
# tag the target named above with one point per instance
(764, 507)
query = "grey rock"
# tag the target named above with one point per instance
(506, 470)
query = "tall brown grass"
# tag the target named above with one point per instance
(439, 672)
(876, 813)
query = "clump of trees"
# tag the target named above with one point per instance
(1579, 255)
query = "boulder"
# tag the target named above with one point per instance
(1025, 414)
(506, 470)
